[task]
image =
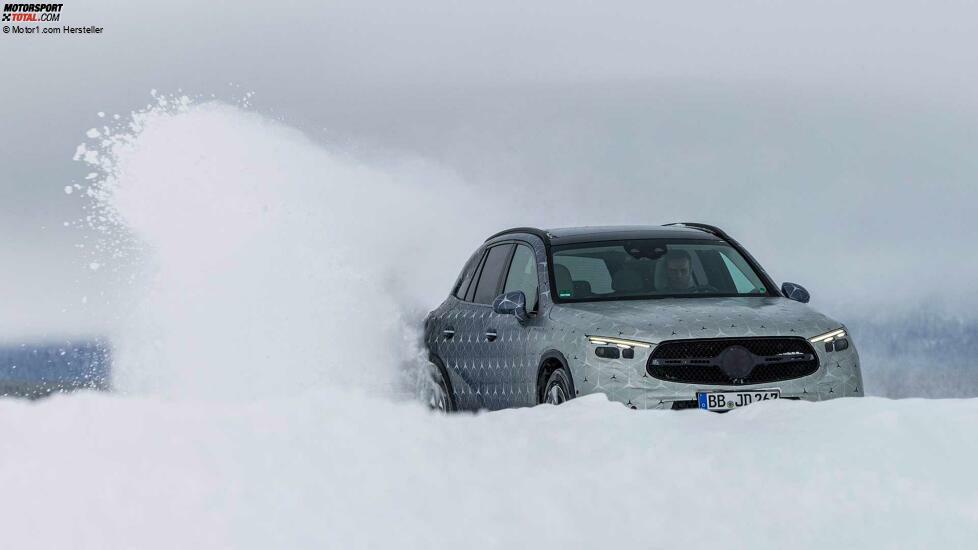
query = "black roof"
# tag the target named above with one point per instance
(571, 235)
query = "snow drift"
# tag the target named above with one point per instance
(339, 470)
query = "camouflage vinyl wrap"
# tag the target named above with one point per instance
(504, 371)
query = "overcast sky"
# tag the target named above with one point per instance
(852, 122)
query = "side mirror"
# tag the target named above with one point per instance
(795, 292)
(511, 303)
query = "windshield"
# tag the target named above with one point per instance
(652, 268)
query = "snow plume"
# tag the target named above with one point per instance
(261, 262)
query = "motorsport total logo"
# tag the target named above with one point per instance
(14, 14)
(31, 13)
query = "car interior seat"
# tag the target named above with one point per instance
(562, 278)
(627, 280)
(582, 289)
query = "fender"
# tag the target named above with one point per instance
(548, 358)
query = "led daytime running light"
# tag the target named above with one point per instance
(624, 344)
(828, 336)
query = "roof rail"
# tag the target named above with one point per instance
(712, 229)
(544, 236)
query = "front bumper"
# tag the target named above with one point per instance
(628, 381)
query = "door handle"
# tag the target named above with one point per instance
(491, 334)
(448, 333)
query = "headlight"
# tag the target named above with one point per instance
(829, 336)
(620, 342)
(834, 341)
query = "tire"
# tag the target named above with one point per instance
(557, 389)
(434, 389)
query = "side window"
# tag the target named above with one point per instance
(463, 284)
(491, 275)
(523, 275)
(470, 293)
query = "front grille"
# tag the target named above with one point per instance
(732, 361)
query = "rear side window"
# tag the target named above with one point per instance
(523, 275)
(467, 274)
(490, 278)
(470, 293)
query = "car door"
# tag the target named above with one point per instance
(481, 355)
(513, 349)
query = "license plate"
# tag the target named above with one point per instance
(726, 400)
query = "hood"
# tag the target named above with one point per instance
(676, 318)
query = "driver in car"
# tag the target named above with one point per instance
(679, 271)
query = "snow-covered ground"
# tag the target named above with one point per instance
(341, 470)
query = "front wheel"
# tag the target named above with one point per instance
(557, 389)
